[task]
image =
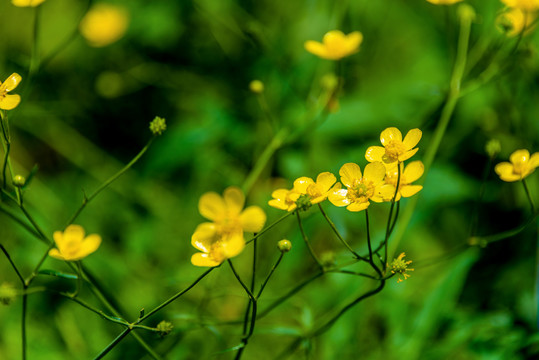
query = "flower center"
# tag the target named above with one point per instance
(304, 202)
(362, 191)
(393, 150)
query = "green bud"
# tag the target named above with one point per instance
(256, 86)
(158, 125)
(466, 12)
(493, 148)
(19, 181)
(284, 246)
(164, 328)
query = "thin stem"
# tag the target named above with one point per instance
(114, 342)
(79, 280)
(332, 225)
(7, 147)
(528, 195)
(109, 181)
(369, 243)
(12, 264)
(307, 241)
(18, 220)
(249, 293)
(389, 218)
(269, 275)
(23, 322)
(248, 310)
(338, 271)
(269, 227)
(395, 218)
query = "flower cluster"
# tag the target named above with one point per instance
(378, 182)
(518, 18)
(222, 238)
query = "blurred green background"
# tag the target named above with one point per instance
(85, 113)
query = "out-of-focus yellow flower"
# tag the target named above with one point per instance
(514, 21)
(411, 173)
(104, 24)
(521, 165)
(444, 2)
(361, 188)
(223, 238)
(256, 86)
(399, 266)
(335, 45)
(8, 102)
(395, 149)
(305, 190)
(525, 5)
(27, 3)
(73, 245)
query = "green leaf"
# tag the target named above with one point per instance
(58, 274)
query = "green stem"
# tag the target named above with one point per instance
(109, 181)
(247, 311)
(23, 321)
(332, 225)
(528, 195)
(13, 264)
(7, 147)
(269, 227)
(114, 342)
(306, 240)
(389, 218)
(373, 265)
(269, 275)
(18, 220)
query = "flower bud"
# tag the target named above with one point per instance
(493, 148)
(256, 86)
(158, 125)
(7, 293)
(164, 328)
(466, 12)
(19, 181)
(284, 246)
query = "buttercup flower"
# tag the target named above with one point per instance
(104, 24)
(443, 2)
(305, 190)
(521, 165)
(284, 199)
(411, 173)
(513, 21)
(27, 3)
(73, 245)
(395, 149)
(216, 247)
(335, 45)
(399, 266)
(8, 102)
(361, 188)
(524, 5)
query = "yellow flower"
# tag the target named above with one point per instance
(513, 21)
(399, 266)
(73, 245)
(8, 102)
(104, 24)
(335, 45)
(524, 5)
(27, 3)
(411, 173)
(310, 192)
(443, 2)
(361, 188)
(521, 165)
(216, 247)
(223, 238)
(395, 149)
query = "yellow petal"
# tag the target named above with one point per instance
(11, 82)
(27, 3)
(212, 206)
(407, 155)
(325, 180)
(9, 102)
(201, 259)
(338, 197)
(350, 173)
(384, 192)
(354, 39)
(55, 254)
(89, 245)
(534, 161)
(316, 48)
(252, 219)
(232, 245)
(390, 134)
(301, 184)
(73, 233)
(375, 153)
(375, 172)
(413, 171)
(412, 138)
(358, 206)
(204, 236)
(520, 156)
(410, 190)
(505, 171)
(234, 200)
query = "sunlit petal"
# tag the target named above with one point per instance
(350, 173)
(358, 206)
(413, 171)
(9, 102)
(234, 200)
(204, 236)
(253, 219)
(390, 134)
(212, 206)
(375, 153)
(301, 184)
(325, 180)
(201, 259)
(410, 190)
(412, 138)
(338, 197)
(375, 172)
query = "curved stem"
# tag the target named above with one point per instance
(306, 240)
(269, 227)
(528, 195)
(269, 275)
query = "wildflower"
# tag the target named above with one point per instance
(227, 212)
(284, 246)
(216, 247)
(9, 102)
(73, 245)
(256, 86)
(524, 5)
(395, 149)
(411, 173)
(361, 188)
(514, 21)
(305, 192)
(335, 45)
(27, 3)
(158, 125)
(104, 24)
(444, 2)
(521, 165)
(399, 266)
(493, 148)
